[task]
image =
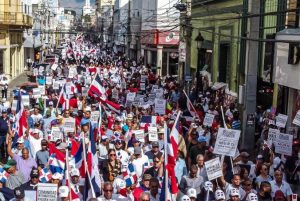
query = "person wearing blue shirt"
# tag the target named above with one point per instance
(180, 167)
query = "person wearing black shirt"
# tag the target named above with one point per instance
(3, 132)
(264, 193)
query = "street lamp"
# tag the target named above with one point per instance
(199, 39)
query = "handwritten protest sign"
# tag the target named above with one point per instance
(42, 89)
(284, 144)
(297, 119)
(14, 105)
(208, 119)
(227, 142)
(159, 92)
(36, 93)
(48, 80)
(47, 192)
(160, 106)
(115, 94)
(130, 97)
(55, 134)
(95, 116)
(213, 169)
(272, 136)
(139, 134)
(55, 85)
(69, 125)
(281, 120)
(152, 134)
(25, 100)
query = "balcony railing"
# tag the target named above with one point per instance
(13, 18)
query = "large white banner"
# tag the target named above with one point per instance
(227, 142)
(47, 192)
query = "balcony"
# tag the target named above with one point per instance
(203, 2)
(13, 18)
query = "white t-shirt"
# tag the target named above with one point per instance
(36, 118)
(35, 145)
(139, 166)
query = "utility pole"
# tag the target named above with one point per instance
(129, 29)
(251, 66)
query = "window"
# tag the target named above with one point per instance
(294, 53)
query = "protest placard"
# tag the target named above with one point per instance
(159, 92)
(55, 134)
(69, 90)
(297, 119)
(284, 143)
(95, 116)
(54, 66)
(35, 72)
(88, 80)
(152, 134)
(71, 73)
(139, 134)
(294, 197)
(115, 94)
(30, 196)
(272, 136)
(36, 93)
(48, 80)
(213, 169)
(42, 89)
(25, 100)
(130, 97)
(227, 142)
(69, 125)
(143, 86)
(46, 192)
(160, 106)
(56, 85)
(14, 105)
(208, 119)
(281, 120)
(41, 70)
(144, 78)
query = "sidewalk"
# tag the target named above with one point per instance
(23, 77)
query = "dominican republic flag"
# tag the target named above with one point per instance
(57, 161)
(74, 195)
(3, 176)
(97, 89)
(129, 175)
(21, 121)
(189, 113)
(65, 99)
(112, 106)
(45, 175)
(79, 38)
(172, 151)
(78, 160)
(92, 188)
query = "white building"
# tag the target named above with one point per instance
(87, 9)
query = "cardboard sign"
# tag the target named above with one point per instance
(56, 85)
(160, 106)
(130, 97)
(47, 192)
(36, 93)
(143, 86)
(95, 116)
(55, 134)
(297, 119)
(139, 134)
(42, 89)
(48, 80)
(14, 105)
(284, 144)
(272, 136)
(69, 125)
(213, 169)
(152, 134)
(35, 72)
(208, 119)
(281, 120)
(25, 100)
(30, 196)
(227, 142)
(294, 197)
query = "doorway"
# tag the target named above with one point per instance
(223, 61)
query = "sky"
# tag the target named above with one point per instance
(75, 5)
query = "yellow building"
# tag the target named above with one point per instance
(13, 22)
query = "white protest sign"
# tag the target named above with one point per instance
(55, 134)
(143, 86)
(55, 85)
(297, 119)
(48, 80)
(36, 92)
(115, 94)
(30, 196)
(227, 142)
(159, 92)
(152, 134)
(144, 78)
(69, 125)
(139, 134)
(35, 72)
(25, 100)
(213, 169)
(95, 116)
(88, 80)
(130, 96)
(208, 119)
(284, 144)
(68, 89)
(281, 120)
(272, 136)
(47, 192)
(41, 70)
(54, 66)
(42, 89)
(14, 105)
(154, 87)
(71, 73)
(160, 106)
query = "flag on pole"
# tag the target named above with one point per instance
(112, 106)
(21, 121)
(97, 89)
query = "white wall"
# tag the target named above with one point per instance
(286, 74)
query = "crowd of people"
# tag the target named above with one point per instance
(88, 130)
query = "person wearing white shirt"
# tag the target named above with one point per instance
(35, 141)
(103, 148)
(36, 116)
(121, 154)
(140, 162)
(279, 185)
(108, 194)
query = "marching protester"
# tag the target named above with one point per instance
(99, 126)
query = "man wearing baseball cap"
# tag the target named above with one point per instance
(16, 178)
(32, 184)
(154, 152)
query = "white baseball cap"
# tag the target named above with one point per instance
(20, 140)
(57, 175)
(234, 192)
(219, 195)
(252, 197)
(192, 193)
(185, 198)
(74, 172)
(63, 191)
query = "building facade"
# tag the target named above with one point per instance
(13, 23)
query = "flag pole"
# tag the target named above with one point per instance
(68, 175)
(191, 103)
(166, 159)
